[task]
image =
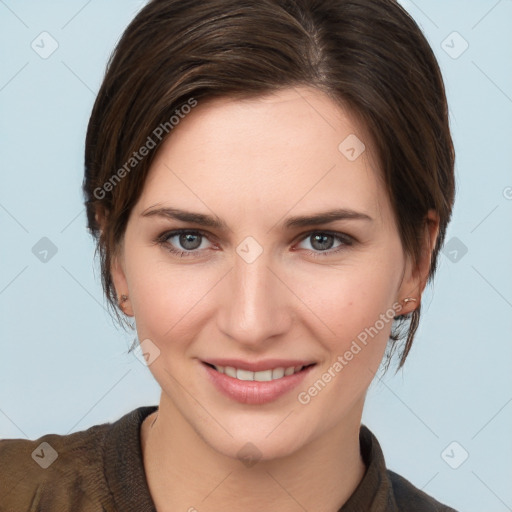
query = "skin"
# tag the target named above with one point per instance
(253, 164)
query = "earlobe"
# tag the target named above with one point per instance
(124, 305)
(121, 285)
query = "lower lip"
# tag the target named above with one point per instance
(254, 392)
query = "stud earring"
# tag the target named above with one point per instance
(409, 299)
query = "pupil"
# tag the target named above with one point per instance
(323, 241)
(187, 241)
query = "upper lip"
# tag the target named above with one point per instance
(257, 366)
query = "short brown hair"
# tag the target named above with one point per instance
(368, 55)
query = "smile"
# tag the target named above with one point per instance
(260, 376)
(256, 383)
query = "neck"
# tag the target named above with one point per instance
(185, 473)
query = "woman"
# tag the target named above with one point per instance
(269, 184)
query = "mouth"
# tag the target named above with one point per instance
(267, 375)
(256, 383)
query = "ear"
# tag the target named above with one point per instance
(117, 270)
(416, 275)
(118, 274)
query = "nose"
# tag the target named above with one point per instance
(255, 306)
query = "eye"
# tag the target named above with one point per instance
(322, 242)
(183, 242)
(191, 243)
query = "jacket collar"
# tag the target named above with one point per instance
(125, 476)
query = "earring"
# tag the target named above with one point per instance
(406, 301)
(123, 299)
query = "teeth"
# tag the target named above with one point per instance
(262, 376)
(277, 373)
(244, 375)
(229, 371)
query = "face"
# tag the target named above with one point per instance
(253, 282)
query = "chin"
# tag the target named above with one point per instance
(253, 441)
(252, 450)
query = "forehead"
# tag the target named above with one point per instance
(289, 147)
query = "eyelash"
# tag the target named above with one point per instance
(162, 240)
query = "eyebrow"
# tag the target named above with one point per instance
(292, 222)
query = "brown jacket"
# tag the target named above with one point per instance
(101, 470)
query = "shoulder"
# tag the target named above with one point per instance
(384, 490)
(409, 497)
(66, 472)
(51, 469)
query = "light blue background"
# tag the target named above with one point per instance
(64, 366)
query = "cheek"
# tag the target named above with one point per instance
(356, 314)
(167, 298)
(349, 301)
